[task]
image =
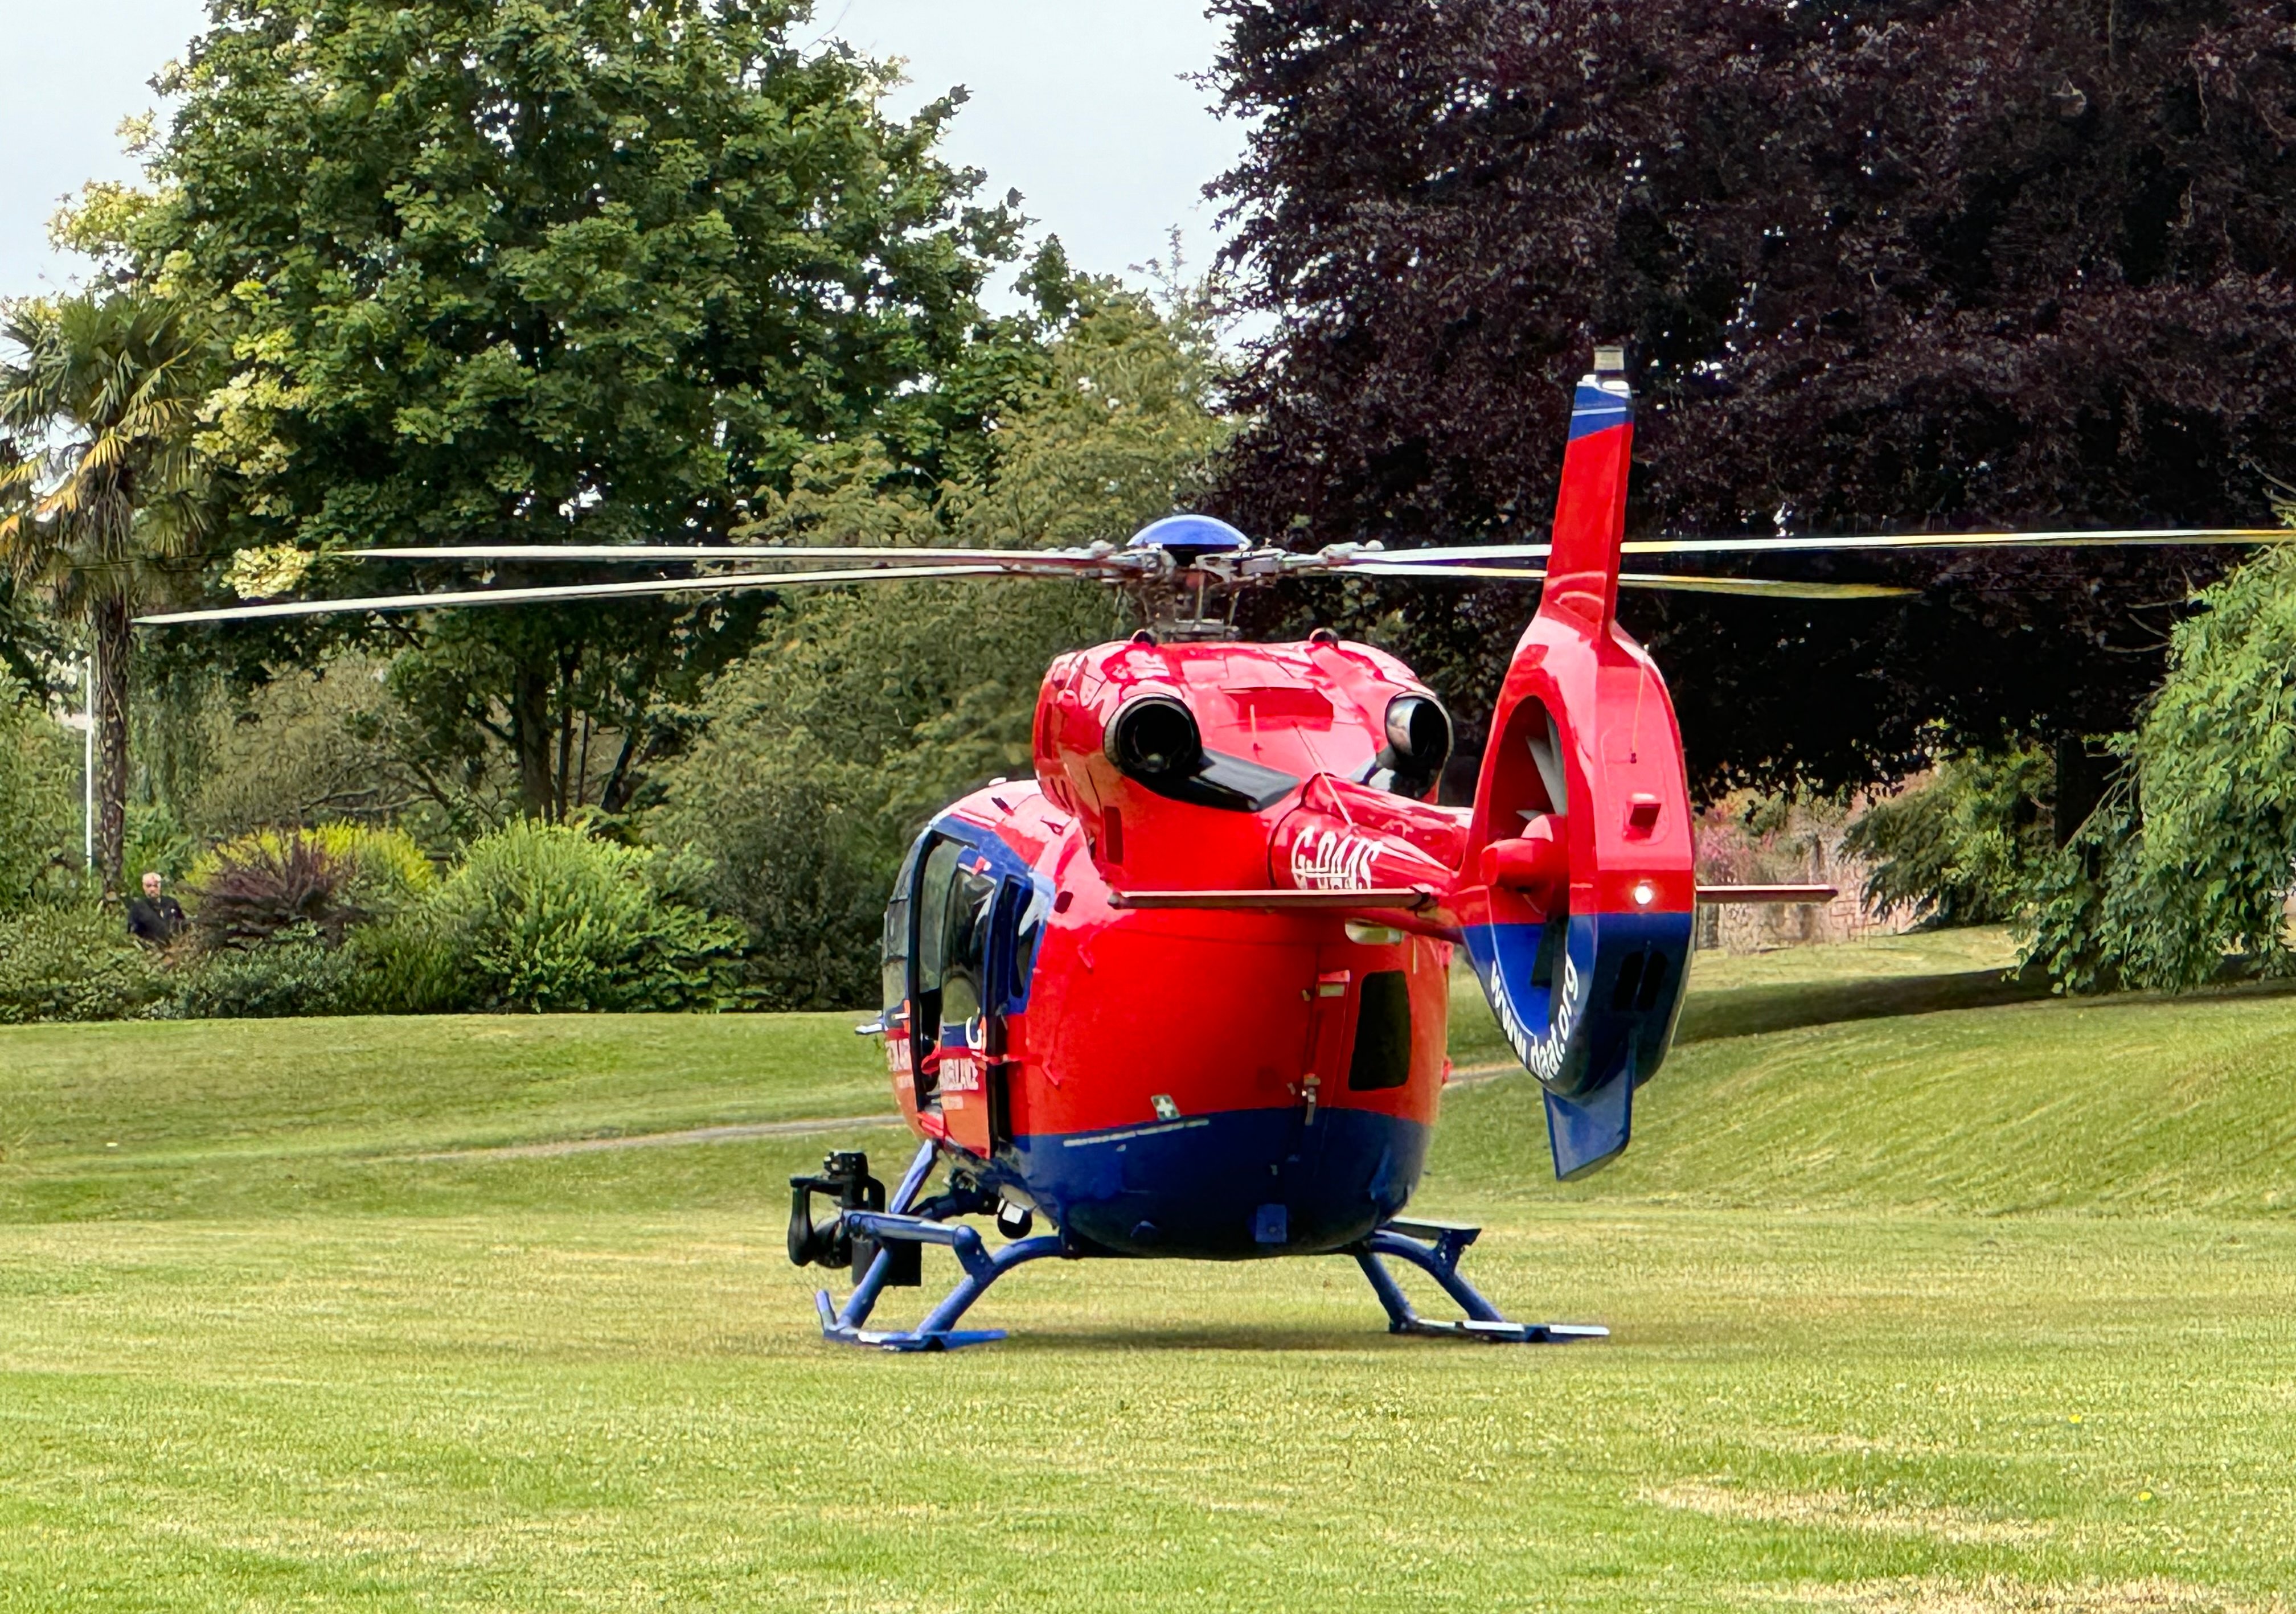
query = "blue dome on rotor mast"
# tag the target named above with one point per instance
(1189, 538)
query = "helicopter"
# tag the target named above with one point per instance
(1183, 993)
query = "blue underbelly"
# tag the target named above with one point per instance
(1229, 1186)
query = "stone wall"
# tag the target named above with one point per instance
(1800, 844)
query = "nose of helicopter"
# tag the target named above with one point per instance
(1188, 538)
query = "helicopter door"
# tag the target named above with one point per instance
(954, 1028)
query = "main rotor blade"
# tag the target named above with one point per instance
(1767, 588)
(1759, 587)
(381, 603)
(658, 553)
(2125, 537)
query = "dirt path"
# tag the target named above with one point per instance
(1466, 1077)
(663, 1140)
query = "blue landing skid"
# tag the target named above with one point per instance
(938, 1331)
(1435, 1248)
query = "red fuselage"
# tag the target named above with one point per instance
(1230, 1039)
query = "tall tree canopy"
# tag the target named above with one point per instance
(503, 271)
(1887, 265)
(821, 754)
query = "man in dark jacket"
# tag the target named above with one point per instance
(155, 918)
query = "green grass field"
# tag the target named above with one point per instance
(1928, 1296)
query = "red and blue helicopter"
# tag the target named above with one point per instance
(1183, 993)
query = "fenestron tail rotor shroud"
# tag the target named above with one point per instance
(1173, 577)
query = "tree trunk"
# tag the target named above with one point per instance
(616, 796)
(2081, 781)
(529, 732)
(563, 792)
(114, 636)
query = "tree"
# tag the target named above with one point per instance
(111, 385)
(37, 775)
(2191, 856)
(582, 272)
(29, 647)
(819, 757)
(1965, 846)
(1884, 264)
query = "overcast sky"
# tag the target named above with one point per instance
(1080, 104)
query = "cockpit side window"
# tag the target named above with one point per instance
(965, 988)
(894, 950)
(954, 908)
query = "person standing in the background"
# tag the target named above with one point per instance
(155, 917)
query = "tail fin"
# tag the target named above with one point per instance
(1579, 882)
(1590, 512)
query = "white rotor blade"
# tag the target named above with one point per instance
(1771, 588)
(652, 553)
(1759, 587)
(2127, 537)
(380, 604)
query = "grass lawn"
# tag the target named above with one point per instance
(1928, 1296)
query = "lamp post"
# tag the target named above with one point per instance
(84, 720)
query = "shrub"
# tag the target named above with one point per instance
(2185, 870)
(1965, 849)
(74, 963)
(544, 919)
(297, 971)
(410, 964)
(387, 869)
(250, 889)
(156, 843)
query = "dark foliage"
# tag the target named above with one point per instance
(1887, 265)
(1967, 847)
(74, 963)
(265, 885)
(297, 973)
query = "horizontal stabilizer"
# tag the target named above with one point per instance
(1778, 894)
(1408, 899)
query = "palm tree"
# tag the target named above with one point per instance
(101, 486)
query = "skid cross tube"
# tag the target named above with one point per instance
(938, 1331)
(1435, 1248)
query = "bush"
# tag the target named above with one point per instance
(74, 963)
(295, 972)
(156, 843)
(1967, 847)
(250, 889)
(39, 806)
(407, 964)
(544, 919)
